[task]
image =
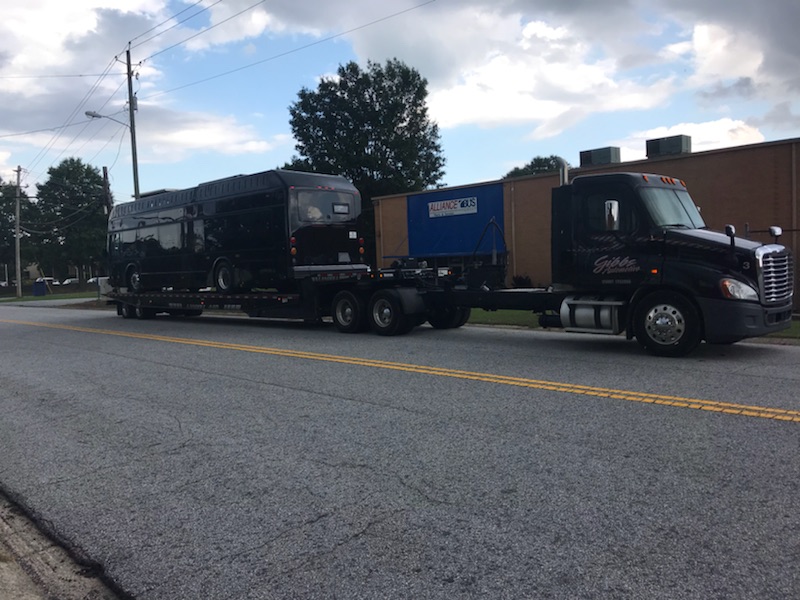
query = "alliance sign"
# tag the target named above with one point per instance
(450, 208)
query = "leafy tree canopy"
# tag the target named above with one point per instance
(8, 203)
(369, 125)
(372, 127)
(68, 224)
(538, 165)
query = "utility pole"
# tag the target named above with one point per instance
(107, 192)
(16, 236)
(131, 110)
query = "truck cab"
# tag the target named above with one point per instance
(633, 253)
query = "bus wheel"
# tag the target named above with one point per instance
(134, 279)
(223, 277)
(667, 324)
(386, 315)
(126, 311)
(348, 312)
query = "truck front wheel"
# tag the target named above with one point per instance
(667, 324)
(386, 316)
(349, 312)
(448, 318)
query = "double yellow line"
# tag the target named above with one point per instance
(763, 412)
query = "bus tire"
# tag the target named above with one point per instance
(349, 312)
(386, 316)
(224, 277)
(667, 324)
(126, 311)
(133, 279)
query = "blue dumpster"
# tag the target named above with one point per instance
(39, 288)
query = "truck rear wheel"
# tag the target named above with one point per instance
(386, 316)
(667, 324)
(349, 312)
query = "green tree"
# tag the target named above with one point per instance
(371, 126)
(8, 203)
(538, 165)
(68, 225)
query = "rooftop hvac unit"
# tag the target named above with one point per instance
(668, 146)
(600, 156)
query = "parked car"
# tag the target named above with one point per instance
(70, 281)
(49, 280)
(92, 280)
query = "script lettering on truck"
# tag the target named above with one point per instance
(610, 265)
(450, 208)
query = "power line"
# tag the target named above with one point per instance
(292, 51)
(153, 28)
(206, 30)
(174, 25)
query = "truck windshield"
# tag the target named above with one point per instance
(671, 208)
(324, 206)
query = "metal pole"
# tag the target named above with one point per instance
(16, 237)
(131, 110)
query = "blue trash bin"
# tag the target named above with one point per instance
(39, 288)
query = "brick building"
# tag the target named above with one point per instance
(751, 187)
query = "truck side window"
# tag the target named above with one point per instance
(609, 211)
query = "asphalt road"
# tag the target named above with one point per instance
(219, 458)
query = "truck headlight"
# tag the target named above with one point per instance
(736, 290)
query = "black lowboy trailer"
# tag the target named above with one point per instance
(630, 253)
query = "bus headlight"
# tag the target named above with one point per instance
(737, 290)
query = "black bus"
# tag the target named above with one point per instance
(268, 230)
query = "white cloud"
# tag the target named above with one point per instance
(711, 135)
(721, 54)
(550, 77)
(190, 133)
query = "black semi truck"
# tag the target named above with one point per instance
(630, 253)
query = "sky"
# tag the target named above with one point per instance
(508, 80)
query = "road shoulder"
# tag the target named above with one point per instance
(32, 567)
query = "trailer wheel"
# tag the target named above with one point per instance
(223, 277)
(144, 313)
(386, 315)
(667, 324)
(126, 311)
(348, 312)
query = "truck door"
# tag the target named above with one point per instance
(612, 247)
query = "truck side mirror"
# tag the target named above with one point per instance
(612, 215)
(730, 231)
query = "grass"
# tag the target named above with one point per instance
(64, 296)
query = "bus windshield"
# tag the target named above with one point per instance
(671, 208)
(324, 206)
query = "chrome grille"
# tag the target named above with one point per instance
(776, 278)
